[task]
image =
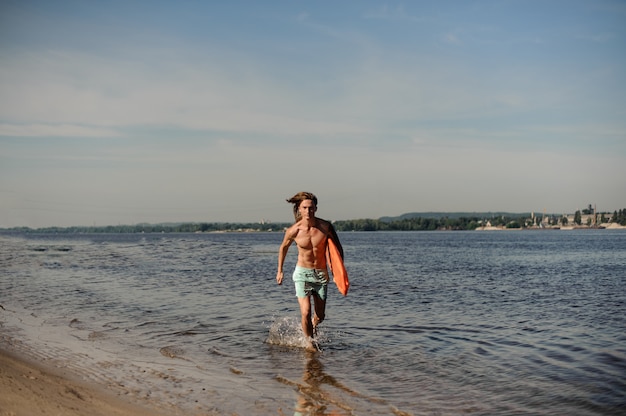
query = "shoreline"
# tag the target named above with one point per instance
(32, 388)
(51, 370)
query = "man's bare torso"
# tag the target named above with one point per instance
(311, 242)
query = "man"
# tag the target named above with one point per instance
(310, 276)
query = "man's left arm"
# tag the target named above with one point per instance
(335, 238)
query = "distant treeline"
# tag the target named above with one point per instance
(463, 221)
(431, 223)
(407, 222)
(186, 227)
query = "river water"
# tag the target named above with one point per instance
(435, 323)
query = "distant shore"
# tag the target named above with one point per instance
(611, 226)
(485, 221)
(359, 225)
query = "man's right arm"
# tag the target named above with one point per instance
(289, 238)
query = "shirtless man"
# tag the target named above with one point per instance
(310, 276)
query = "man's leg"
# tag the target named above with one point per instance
(320, 313)
(305, 313)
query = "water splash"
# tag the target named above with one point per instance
(287, 332)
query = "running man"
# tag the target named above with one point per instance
(311, 275)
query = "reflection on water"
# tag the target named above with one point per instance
(319, 393)
(312, 398)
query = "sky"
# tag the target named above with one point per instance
(118, 112)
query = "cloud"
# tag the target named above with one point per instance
(397, 13)
(175, 91)
(49, 92)
(55, 130)
(451, 38)
(598, 37)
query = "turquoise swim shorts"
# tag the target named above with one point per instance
(310, 281)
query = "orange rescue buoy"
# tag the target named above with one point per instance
(337, 268)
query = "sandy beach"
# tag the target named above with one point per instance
(32, 389)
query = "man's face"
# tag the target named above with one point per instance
(307, 209)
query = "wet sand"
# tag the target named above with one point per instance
(29, 388)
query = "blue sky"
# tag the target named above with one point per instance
(117, 112)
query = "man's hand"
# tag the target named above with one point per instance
(279, 278)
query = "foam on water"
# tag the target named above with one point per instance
(287, 331)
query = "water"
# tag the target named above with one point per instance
(441, 323)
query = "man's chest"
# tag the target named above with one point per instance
(310, 238)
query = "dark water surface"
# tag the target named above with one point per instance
(482, 323)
